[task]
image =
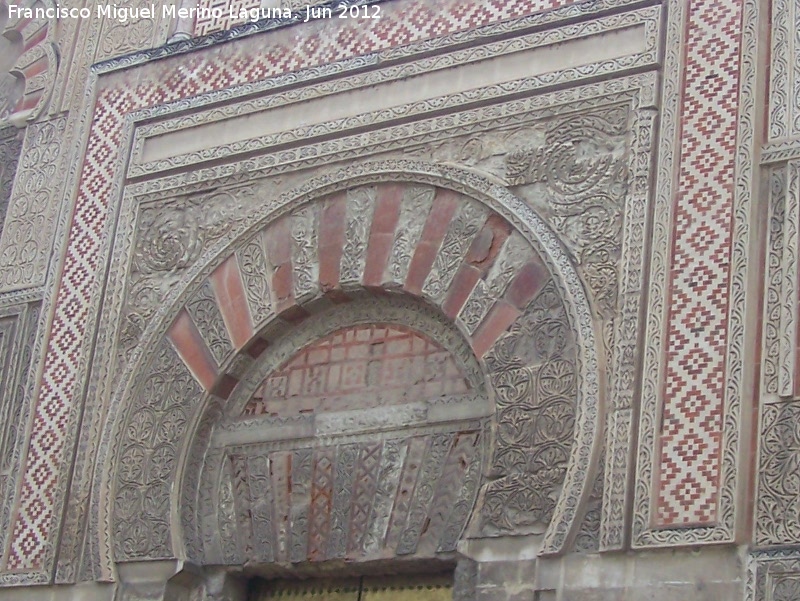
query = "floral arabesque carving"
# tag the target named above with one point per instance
(779, 475)
(148, 453)
(10, 148)
(578, 176)
(170, 238)
(533, 371)
(531, 228)
(32, 212)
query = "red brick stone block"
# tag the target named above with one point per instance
(381, 238)
(193, 350)
(526, 284)
(479, 259)
(442, 211)
(332, 226)
(460, 289)
(278, 240)
(257, 347)
(225, 386)
(232, 300)
(499, 319)
(488, 242)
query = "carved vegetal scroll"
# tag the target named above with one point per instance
(773, 576)
(27, 80)
(534, 376)
(10, 148)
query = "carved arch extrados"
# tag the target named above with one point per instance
(491, 194)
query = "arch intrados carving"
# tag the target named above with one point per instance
(490, 194)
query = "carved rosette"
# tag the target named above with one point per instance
(170, 237)
(578, 177)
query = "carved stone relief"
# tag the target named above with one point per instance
(146, 29)
(555, 382)
(532, 369)
(147, 455)
(784, 85)
(25, 243)
(28, 65)
(170, 238)
(579, 178)
(162, 294)
(778, 475)
(781, 300)
(10, 149)
(779, 443)
(773, 576)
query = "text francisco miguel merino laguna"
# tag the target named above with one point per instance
(150, 11)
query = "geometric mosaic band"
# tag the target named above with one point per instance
(697, 334)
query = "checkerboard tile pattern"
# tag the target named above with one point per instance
(36, 519)
(691, 437)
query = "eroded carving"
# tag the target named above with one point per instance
(579, 177)
(532, 368)
(170, 238)
(30, 221)
(147, 456)
(10, 148)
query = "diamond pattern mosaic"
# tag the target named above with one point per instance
(691, 438)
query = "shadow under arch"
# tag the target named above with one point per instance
(202, 351)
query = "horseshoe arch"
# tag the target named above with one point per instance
(494, 295)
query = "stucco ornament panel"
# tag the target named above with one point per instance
(28, 65)
(778, 475)
(146, 29)
(10, 148)
(148, 455)
(578, 177)
(25, 243)
(566, 322)
(533, 372)
(773, 576)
